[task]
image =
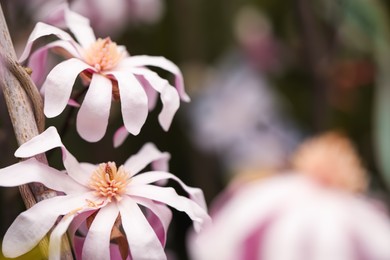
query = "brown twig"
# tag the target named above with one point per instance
(21, 97)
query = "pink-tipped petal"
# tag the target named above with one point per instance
(80, 28)
(120, 136)
(31, 225)
(97, 242)
(171, 198)
(92, 119)
(73, 103)
(37, 60)
(134, 102)
(33, 171)
(161, 62)
(143, 242)
(149, 90)
(146, 155)
(48, 140)
(76, 224)
(58, 85)
(56, 237)
(40, 30)
(171, 102)
(160, 219)
(195, 194)
(168, 94)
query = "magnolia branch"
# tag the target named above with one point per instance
(25, 109)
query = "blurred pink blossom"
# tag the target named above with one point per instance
(105, 190)
(292, 217)
(107, 17)
(111, 73)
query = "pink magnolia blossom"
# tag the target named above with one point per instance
(292, 217)
(127, 12)
(112, 74)
(105, 190)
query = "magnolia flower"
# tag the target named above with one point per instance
(111, 74)
(107, 192)
(127, 12)
(313, 212)
(292, 217)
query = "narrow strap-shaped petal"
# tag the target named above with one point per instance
(146, 155)
(48, 140)
(143, 242)
(59, 83)
(149, 90)
(195, 194)
(37, 61)
(97, 242)
(77, 222)
(161, 62)
(134, 102)
(171, 198)
(92, 118)
(120, 136)
(31, 225)
(80, 27)
(168, 94)
(56, 237)
(171, 102)
(32, 170)
(160, 219)
(40, 30)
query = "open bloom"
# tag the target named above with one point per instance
(313, 212)
(105, 193)
(292, 217)
(111, 74)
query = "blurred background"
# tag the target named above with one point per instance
(262, 75)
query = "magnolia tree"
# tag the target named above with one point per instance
(106, 210)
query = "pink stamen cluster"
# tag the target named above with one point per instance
(109, 182)
(103, 54)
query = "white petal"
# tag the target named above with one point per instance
(76, 223)
(161, 62)
(168, 94)
(48, 140)
(162, 212)
(56, 237)
(149, 90)
(146, 155)
(171, 102)
(134, 102)
(171, 198)
(40, 30)
(143, 242)
(37, 60)
(33, 171)
(80, 27)
(195, 194)
(120, 136)
(92, 119)
(30, 226)
(59, 83)
(97, 242)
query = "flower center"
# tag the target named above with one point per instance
(103, 54)
(109, 182)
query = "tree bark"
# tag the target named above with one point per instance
(21, 106)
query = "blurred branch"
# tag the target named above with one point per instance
(14, 82)
(317, 57)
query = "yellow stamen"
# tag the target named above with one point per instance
(103, 54)
(109, 182)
